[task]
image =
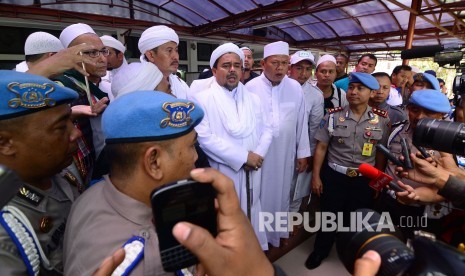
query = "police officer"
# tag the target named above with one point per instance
(149, 144)
(37, 140)
(425, 103)
(348, 136)
(378, 100)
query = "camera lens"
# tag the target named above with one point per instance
(396, 257)
(440, 135)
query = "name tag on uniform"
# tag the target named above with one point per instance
(367, 149)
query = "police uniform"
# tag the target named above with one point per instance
(351, 142)
(104, 218)
(434, 101)
(396, 114)
(32, 224)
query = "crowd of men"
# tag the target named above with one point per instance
(93, 140)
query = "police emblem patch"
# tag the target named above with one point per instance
(178, 114)
(31, 95)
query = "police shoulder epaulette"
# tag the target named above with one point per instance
(335, 109)
(380, 112)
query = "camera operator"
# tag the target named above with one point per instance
(445, 181)
(426, 103)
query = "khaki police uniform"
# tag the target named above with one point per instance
(351, 142)
(100, 222)
(47, 212)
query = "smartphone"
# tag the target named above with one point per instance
(185, 200)
(389, 155)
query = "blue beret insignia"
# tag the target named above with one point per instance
(178, 114)
(31, 95)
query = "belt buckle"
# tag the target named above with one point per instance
(351, 172)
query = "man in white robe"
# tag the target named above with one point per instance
(233, 133)
(289, 149)
(38, 46)
(302, 63)
(115, 62)
(159, 45)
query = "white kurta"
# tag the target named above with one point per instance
(285, 108)
(179, 88)
(227, 153)
(314, 103)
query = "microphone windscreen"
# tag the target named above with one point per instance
(420, 52)
(368, 170)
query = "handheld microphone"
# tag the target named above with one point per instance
(379, 180)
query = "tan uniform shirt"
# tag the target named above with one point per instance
(349, 136)
(100, 222)
(47, 212)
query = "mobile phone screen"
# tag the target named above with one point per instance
(181, 201)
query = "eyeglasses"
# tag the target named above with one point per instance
(96, 53)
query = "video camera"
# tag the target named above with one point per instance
(451, 55)
(440, 135)
(425, 256)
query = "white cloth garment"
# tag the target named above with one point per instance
(22, 67)
(285, 108)
(395, 98)
(200, 85)
(314, 103)
(136, 77)
(41, 43)
(233, 125)
(179, 88)
(156, 36)
(72, 31)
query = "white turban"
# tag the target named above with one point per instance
(73, 31)
(156, 36)
(276, 48)
(112, 42)
(136, 76)
(41, 43)
(223, 49)
(324, 58)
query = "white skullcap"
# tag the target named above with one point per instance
(134, 77)
(223, 49)
(246, 48)
(112, 42)
(302, 55)
(41, 43)
(276, 48)
(326, 58)
(156, 36)
(73, 31)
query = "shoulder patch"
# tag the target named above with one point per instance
(380, 112)
(335, 109)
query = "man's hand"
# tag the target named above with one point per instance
(254, 160)
(317, 185)
(368, 264)
(100, 106)
(425, 172)
(235, 250)
(110, 264)
(425, 194)
(65, 59)
(301, 165)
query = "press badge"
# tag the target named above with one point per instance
(367, 149)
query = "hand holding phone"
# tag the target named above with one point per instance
(185, 200)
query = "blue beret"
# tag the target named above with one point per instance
(431, 99)
(149, 116)
(365, 79)
(22, 93)
(429, 78)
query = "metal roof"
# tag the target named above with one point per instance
(337, 25)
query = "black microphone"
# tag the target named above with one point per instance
(422, 51)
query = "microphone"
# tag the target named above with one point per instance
(420, 52)
(379, 180)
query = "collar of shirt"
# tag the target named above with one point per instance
(126, 206)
